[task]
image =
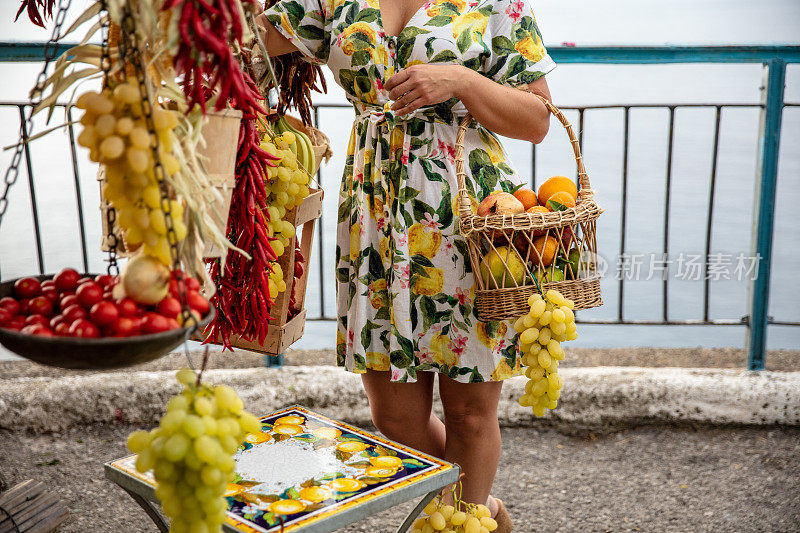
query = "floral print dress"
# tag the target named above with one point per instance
(405, 288)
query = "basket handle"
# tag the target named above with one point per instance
(464, 207)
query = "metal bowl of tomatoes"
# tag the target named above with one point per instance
(98, 333)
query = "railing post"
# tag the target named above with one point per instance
(769, 136)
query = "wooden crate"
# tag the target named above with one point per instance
(283, 332)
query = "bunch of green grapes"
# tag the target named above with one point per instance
(191, 453)
(276, 283)
(541, 332)
(452, 519)
(282, 230)
(115, 132)
(287, 183)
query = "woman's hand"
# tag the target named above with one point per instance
(421, 85)
(501, 109)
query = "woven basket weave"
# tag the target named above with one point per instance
(528, 241)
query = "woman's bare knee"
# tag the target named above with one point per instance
(470, 420)
(470, 409)
(398, 408)
(395, 423)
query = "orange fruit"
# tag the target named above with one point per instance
(527, 197)
(546, 248)
(538, 209)
(554, 185)
(561, 197)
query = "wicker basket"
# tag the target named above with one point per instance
(509, 254)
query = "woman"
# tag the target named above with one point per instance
(404, 285)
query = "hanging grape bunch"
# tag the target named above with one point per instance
(191, 452)
(541, 332)
(462, 517)
(116, 134)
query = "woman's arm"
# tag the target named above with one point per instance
(275, 43)
(501, 109)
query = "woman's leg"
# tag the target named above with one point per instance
(473, 433)
(402, 411)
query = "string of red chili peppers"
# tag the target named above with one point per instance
(34, 13)
(204, 57)
(242, 300)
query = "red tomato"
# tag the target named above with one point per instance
(68, 300)
(173, 324)
(40, 305)
(48, 283)
(27, 287)
(51, 293)
(89, 293)
(73, 313)
(154, 323)
(128, 307)
(84, 328)
(37, 320)
(24, 303)
(169, 307)
(17, 322)
(55, 321)
(105, 280)
(197, 302)
(5, 315)
(38, 330)
(11, 305)
(175, 288)
(192, 284)
(62, 329)
(104, 313)
(124, 327)
(85, 279)
(67, 279)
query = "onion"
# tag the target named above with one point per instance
(145, 280)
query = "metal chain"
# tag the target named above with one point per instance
(105, 53)
(111, 214)
(133, 55)
(50, 49)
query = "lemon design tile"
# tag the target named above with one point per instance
(303, 467)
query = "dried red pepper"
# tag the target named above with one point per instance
(38, 10)
(205, 58)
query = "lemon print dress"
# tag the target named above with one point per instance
(405, 289)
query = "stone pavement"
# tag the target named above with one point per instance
(598, 399)
(645, 479)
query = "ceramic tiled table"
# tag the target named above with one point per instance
(306, 472)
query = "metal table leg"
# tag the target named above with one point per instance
(406, 525)
(151, 511)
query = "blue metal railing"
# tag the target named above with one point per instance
(774, 60)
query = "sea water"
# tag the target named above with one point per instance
(617, 22)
